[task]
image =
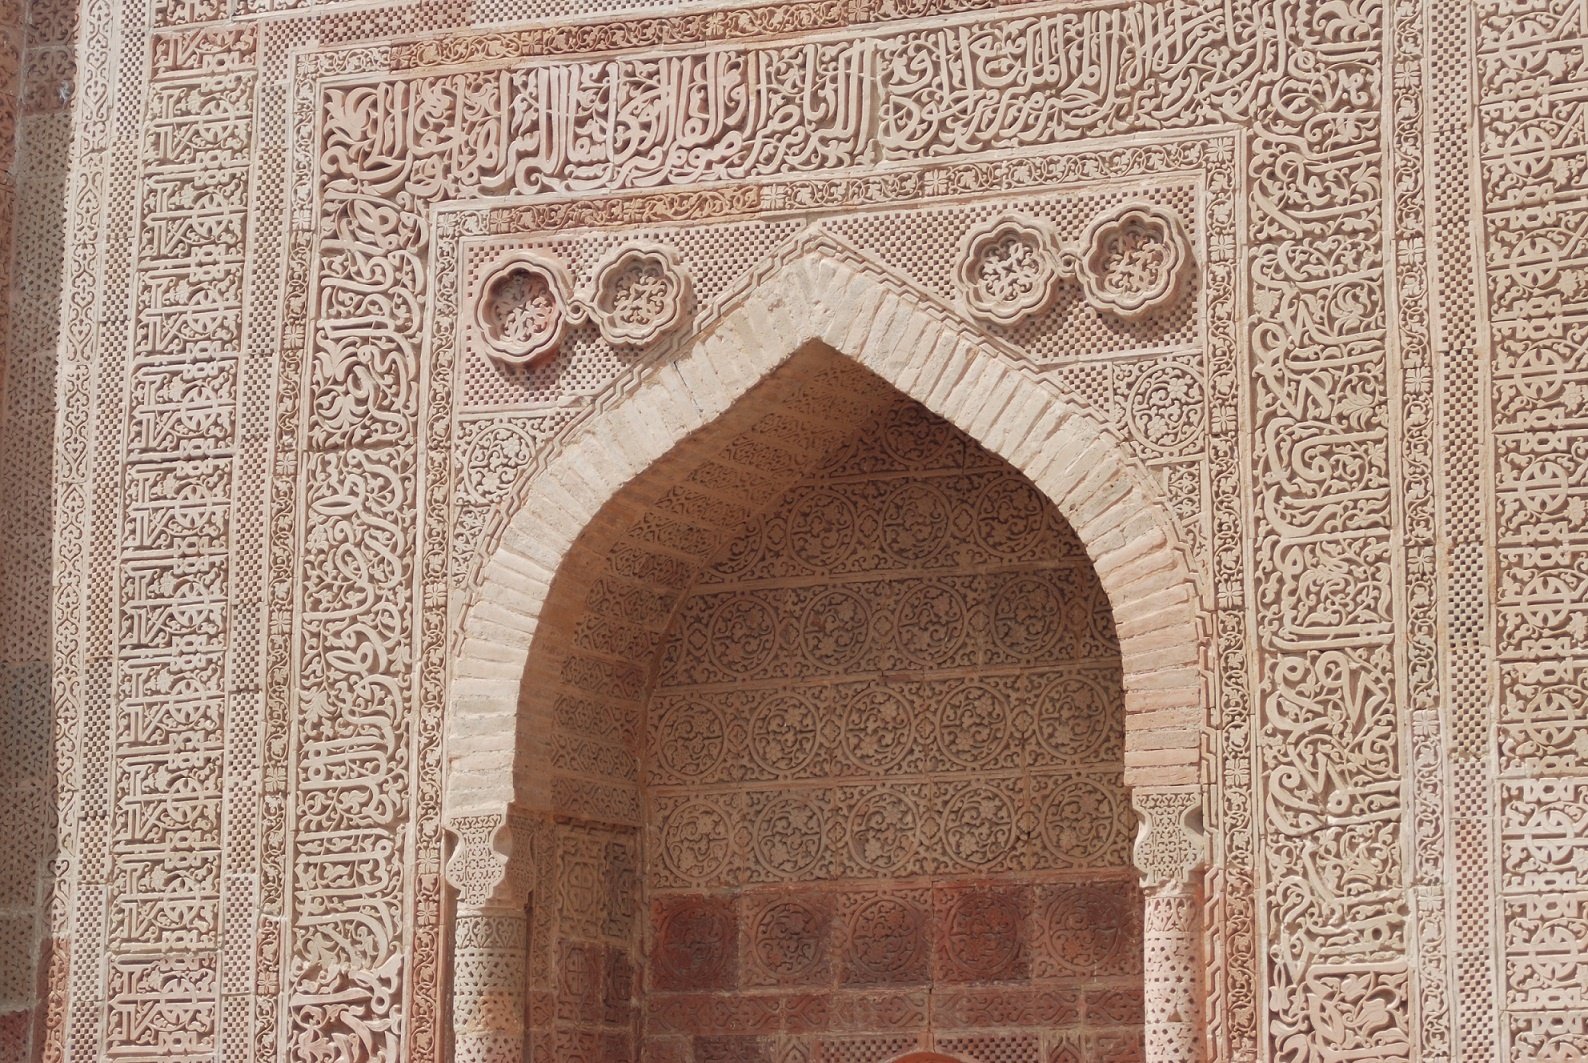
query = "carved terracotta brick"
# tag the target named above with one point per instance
(618, 985)
(888, 938)
(980, 934)
(808, 1012)
(880, 1009)
(667, 1050)
(1113, 1006)
(788, 939)
(579, 983)
(737, 1049)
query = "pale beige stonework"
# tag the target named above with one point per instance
(808, 531)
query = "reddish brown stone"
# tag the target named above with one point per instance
(731, 1050)
(541, 1009)
(993, 1046)
(1116, 1046)
(617, 1048)
(880, 1010)
(668, 1013)
(788, 939)
(887, 940)
(1114, 1006)
(14, 1028)
(579, 982)
(666, 1050)
(807, 1012)
(623, 887)
(702, 1013)
(844, 1049)
(696, 943)
(617, 986)
(1066, 1048)
(1056, 1005)
(977, 1007)
(980, 934)
(578, 1046)
(1087, 931)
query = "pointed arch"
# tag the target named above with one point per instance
(1108, 496)
(621, 460)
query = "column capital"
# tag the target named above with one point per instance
(492, 864)
(1171, 846)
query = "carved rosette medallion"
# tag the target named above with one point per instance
(1165, 408)
(639, 295)
(1132, 260)
(523, 309)
(1008, 270)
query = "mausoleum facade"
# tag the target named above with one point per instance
(816, 531)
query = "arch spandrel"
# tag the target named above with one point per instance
(814, 303)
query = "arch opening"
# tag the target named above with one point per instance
(836, 740)
(583, 574)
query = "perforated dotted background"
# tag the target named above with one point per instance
(921, 243)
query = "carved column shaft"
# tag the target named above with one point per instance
(1171, 941)
(489, 949)
(1170, 853)
(490, 868)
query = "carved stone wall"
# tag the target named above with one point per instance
(369, 308)
(36, 87)
(1534, 888)
(586, 992)
(883, 775)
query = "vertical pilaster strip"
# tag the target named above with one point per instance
(1464, 555)
(1171, 933)
(1325, 565)
(38, 38)
(1418, 647)
(175, 571)
(359, 493)
(72, 1023)
(1531, 458)
(490, 948)
(1170, 854)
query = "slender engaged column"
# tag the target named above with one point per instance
(1170, 854)
(488, 986)
(491, 870)
(1172, 943)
